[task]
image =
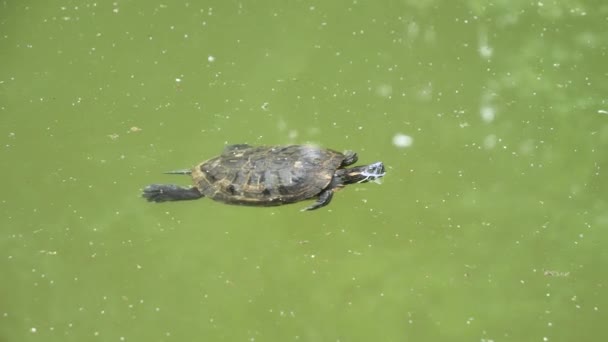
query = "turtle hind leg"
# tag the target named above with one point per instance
(324, 199)
(170, 192)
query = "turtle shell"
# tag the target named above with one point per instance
(267, 175)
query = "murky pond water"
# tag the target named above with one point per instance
(492, 119)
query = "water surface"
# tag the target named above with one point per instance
(489, 226)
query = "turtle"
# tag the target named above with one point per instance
(269, 176)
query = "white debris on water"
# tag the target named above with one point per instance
(402, 140)
(484, 48)
(488, 113)
(602, 111)
(211, 59)
(485, 51)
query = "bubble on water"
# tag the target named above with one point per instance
(402, 140)
(211, 59)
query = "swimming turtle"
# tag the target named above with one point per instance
(269, 176)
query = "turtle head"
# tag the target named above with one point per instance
(363, 174)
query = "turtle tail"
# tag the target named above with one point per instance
(170, 192)
(179, 172)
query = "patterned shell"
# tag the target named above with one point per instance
(267, 175)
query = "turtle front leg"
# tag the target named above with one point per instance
(324, 199)
(350, 158)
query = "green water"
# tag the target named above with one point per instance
(490, 226)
